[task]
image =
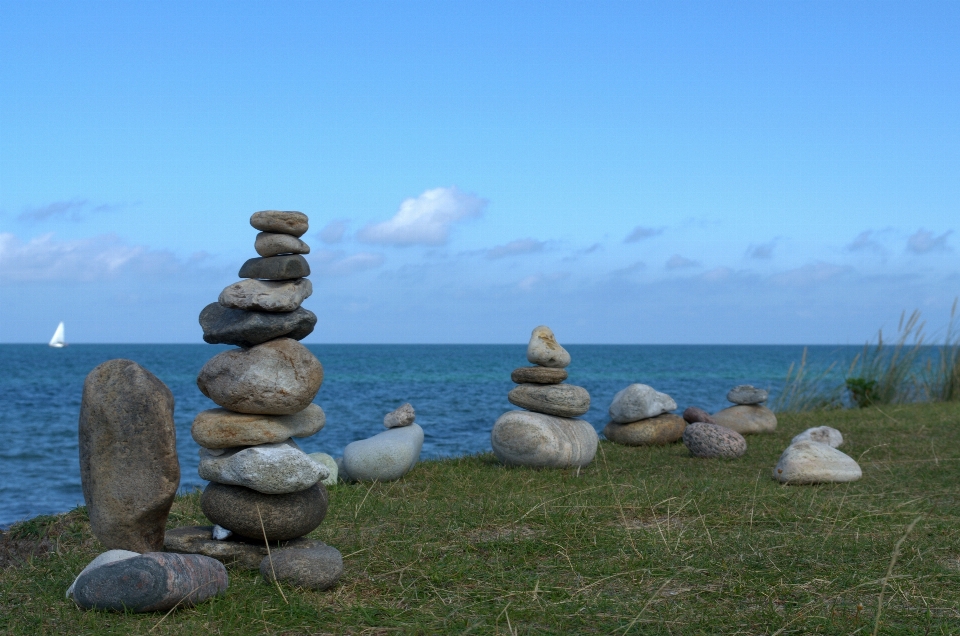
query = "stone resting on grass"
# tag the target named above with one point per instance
(640, 416)
(748, 415)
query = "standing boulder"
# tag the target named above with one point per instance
(128, 455)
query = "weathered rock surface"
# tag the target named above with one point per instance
(823, 434)
(273, 469)
(746, 394)
(544, 350)
(316, 568)
(330, 464)
(695, 414)
(279, 377)
(220, 428)
(638, 402)
(402, 416)
(562, 400)
(710, 441)
(110, 556)
(538, 375)
(284, 516)
(811, 462)
(266, 295)
(384, 457)
(654, 431)
(272, 244)
(128, 455)
(747, 419)
(523, 438)
(292, 223)
(275, 267)
(151, 582)
(222, 325)
(236, 551)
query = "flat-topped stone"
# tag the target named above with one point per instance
(220, 428)
(747, 419)
(524, 438)
(654, 431)
(275, 267)
(823, 434)
(384, 457)
(272, 469)
(280, 222)
(544, 350)
(404, 415)
(638, 402)
(746, 394)
(538, 375)
(222, 325)
(562, 400)
(252, 294)
(273, 244)
(314, 568)
(809, 462)
(284, 517)
(712, 441)
(235, 551)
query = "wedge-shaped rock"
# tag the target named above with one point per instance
(538, 375)
(653, 431)
(220, 428)
(284, 517)
(266, 295)
(272, 244)
(823, 434)
(712, 441)
(403, 415)
(384, 457)
(747, 419)
(275, 267)
(314, 568)
(638, 402)
(562, 400)
(235, 551)
(222, 325)
(815, 463)
(523, 438)
(281, 222)
(110, 556)
(544, 350)
(273, 469)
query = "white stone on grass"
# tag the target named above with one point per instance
(823, 434)
(813, 463)
(384, 457)
(638, 402)
(524, 438)
(273, 469)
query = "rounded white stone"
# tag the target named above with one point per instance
(524, 438)
(823, 434)
(384, 457)
(638, 402)
(813, 463)
(544, 350)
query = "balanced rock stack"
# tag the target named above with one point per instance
(749, 415)
(386, 456)
(547, 434)
(262, 486)
(813, 458)
(640, 416)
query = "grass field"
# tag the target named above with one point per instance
(643, 541)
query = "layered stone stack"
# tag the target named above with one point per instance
(548, 434)
(748, 415)
(813, 458)
(263, 488)
(387, 456)
(640, 416)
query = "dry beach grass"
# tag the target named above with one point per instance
(643, 541)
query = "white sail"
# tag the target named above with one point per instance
(58, 340)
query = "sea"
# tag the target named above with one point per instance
(458, 392)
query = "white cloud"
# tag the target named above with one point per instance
(426, 219)
(515, 248)
(640, 233)
(679, 262)
(924, 242)
(338, 263)
(333, 231)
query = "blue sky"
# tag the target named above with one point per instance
(657, 172)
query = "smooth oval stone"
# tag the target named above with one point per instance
(266, 295)
(823, 434)
(277, 221)
(222, 325)
(638, 402)
(316, 568)
(110, 556)
(747, 419)
(330, 464)
(562, 400)
(523, 438)
(811, 462)
(538, 375)
(653, 431)
(275, 267)
(273, 469)
(151, 582)
(280, 377)
(544, 350)
(220, 428)
(747, 394)
(403, 415)
(129, 469)
(711, 441)
(284, 516)
(384, 457)
(235, 551)
(696, 414)
(272, 244)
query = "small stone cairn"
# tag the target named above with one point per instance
(387, 456)
(263, 488)
(706, 439)
(748, 415)
(640, 416)
(813, 458)
(548, 434)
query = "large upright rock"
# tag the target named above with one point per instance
(128, 455)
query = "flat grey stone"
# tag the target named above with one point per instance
(317, 568)
(220, 428)
(524, 438)
(638, 402)
(544, 350)
(280, 222)
(823, 434)
(711, 441)
(562, 400)
(273, 469)
(696, 414)
(404, 415)
(654, 431)
(129, 469)
(280, 377)
(538, 375)
(330, 464)
(222, 325)
(251, 294)
(747, 394)
(272, 244)
(236, 551)
(109, 556)
(276, 267)
(384, 457)
(747, 419)
(284, 516)
(809, 462)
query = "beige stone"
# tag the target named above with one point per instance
(220, 428)
(746, 419)
(653, 431)
(523, 438)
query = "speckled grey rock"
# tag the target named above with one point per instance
(402, 416)
(384, 457)
(330, 464)
(823, 434)
(280, 222)
(222, 325)
(236, 551)
(279, 377)
(275, 267)
(220, 428)
(538, 375)
(544, 350)
(562, 400)
(316, 568)
(654, 431)
(524, 438)
(272, 244)
(110, 556)
(707, 440)
(747, 419)
(809, 462)
(695, 414)
(266, 295)
(746, 394)
(638, 402)
(273, 469)
(284, 516)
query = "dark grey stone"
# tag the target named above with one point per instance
(249, 328)
(562, 400)
(276, 267)
(707, 440)
(538, 375)
(315, 568)
(284, 516)
(292, 223)
(236, 551)
(696, 414)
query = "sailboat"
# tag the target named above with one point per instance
(57, 341)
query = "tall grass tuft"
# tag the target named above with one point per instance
(942, 382)
(887, 375)
(806, 391)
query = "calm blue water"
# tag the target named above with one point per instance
(458, 392)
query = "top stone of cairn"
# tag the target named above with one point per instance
(292, 223)
(545, 351)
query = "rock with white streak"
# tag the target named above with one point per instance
(562, 400)
(544, 350)
(252, 294)
(524, 438)
(823, 434)
(384, 457)
(638, 402)
(272, 469)
(811, 462)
